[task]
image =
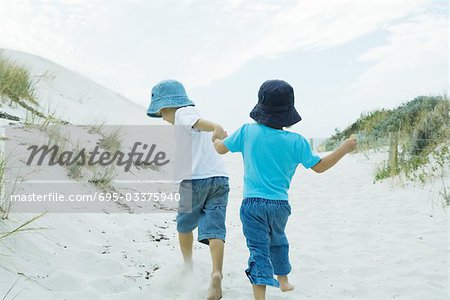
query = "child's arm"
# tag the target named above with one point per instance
(233, 143)
(331, 159)
(220, 146)
(216, 129)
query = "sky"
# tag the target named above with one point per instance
(343, 58)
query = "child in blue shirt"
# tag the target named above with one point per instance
(271, 156)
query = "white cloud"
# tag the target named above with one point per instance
(305, 25)
(412, 62)
(130, 45)
(418, 44)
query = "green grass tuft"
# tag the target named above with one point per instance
(16, 83)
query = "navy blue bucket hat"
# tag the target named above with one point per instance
(275, 106)
(166, 94)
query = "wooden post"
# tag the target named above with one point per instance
(393, 153)
(311, 144)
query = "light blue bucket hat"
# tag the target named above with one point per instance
(167, 93)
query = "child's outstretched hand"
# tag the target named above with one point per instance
(349, 145)
(331, 159)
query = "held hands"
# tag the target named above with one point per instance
(218, 136)
(349, 145)
(208, 126)
(219, 133)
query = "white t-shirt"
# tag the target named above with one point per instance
(206, 162)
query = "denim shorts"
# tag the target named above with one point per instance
(203, 203)
(264, 222)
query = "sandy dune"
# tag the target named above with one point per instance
(350, 239)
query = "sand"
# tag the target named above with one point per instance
(349, 239)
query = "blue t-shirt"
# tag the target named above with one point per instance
(271, 157)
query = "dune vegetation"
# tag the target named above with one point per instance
(18, 87)
(16, 83)
(419, 131)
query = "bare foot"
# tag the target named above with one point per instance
(215, 287)
(285, 286)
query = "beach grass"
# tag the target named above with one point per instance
(4, 208)
(16, 83)
(19, 88)
(22, 227)
(103, 177)
(417, 132)
(111, 141)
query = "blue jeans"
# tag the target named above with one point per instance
(264, 222)
(203, 203)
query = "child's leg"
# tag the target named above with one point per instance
(279, 246)
(188, 216)
(216, 247)
(186, 240)
(255, 225)
(212, 231)
(259, 292)
(280, 260)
